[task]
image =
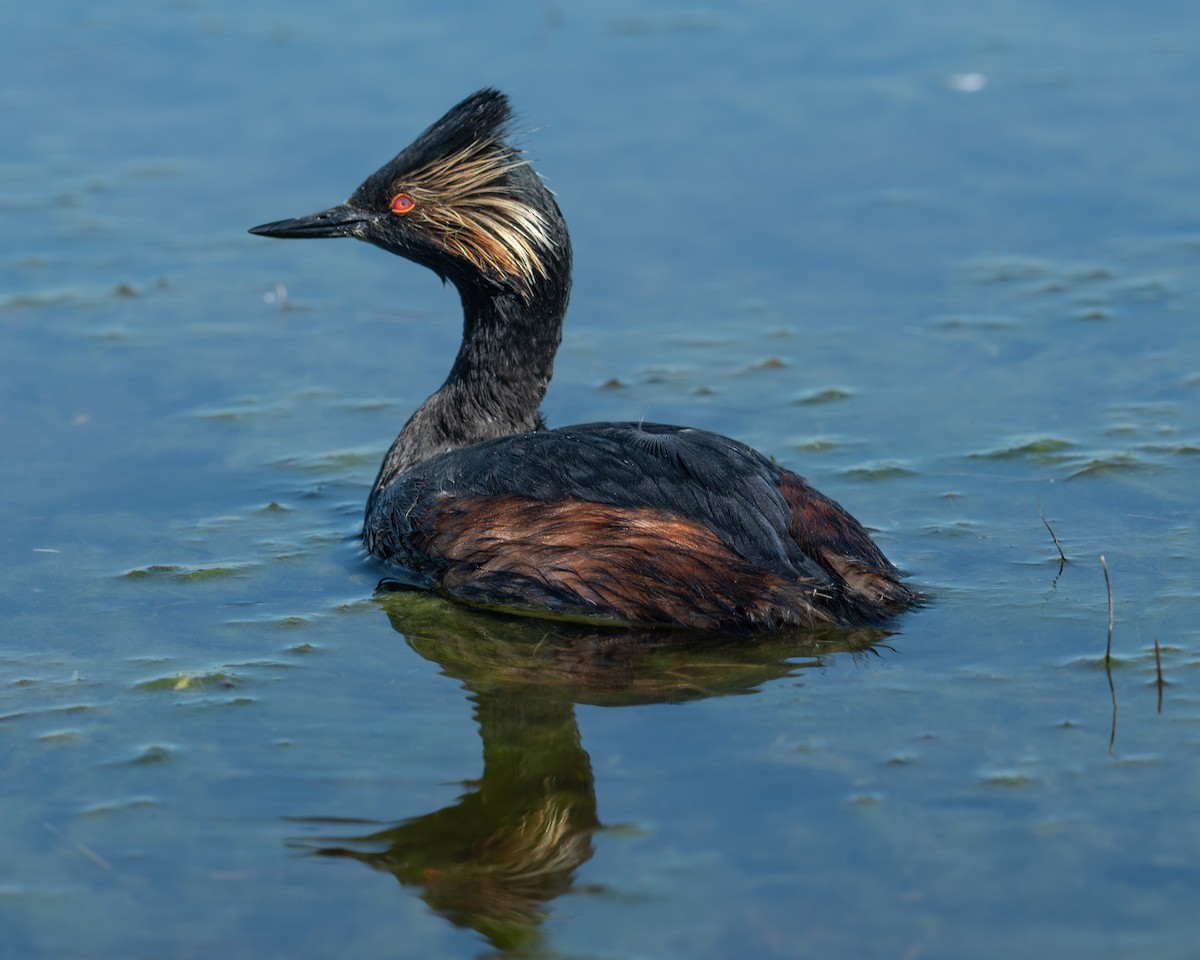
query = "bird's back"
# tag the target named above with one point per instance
(632, 522)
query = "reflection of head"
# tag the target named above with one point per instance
(501, 890)
(492, 860)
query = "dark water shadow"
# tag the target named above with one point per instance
(493, 860)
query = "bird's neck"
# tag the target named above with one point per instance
(496, 385)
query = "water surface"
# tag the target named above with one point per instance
(939, 258)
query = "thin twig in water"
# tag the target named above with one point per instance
(1061, 556)
(1112, 737)
(1158, 668)
(1112, 689)
(81, 847)
(1108, 590)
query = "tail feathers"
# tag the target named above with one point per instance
(869, 586)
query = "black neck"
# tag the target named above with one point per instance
(498, 380)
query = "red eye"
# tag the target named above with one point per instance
(402, 203)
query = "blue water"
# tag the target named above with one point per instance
(940, 258)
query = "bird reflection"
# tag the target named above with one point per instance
(512, 843)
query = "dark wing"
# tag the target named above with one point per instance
(635, 522)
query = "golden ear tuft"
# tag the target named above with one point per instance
(464, 200)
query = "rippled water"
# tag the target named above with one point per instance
(940, 258)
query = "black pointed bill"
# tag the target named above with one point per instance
(341, 221)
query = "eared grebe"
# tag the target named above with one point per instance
(635, 523)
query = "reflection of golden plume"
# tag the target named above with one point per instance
(495, 858)
(464, 200)
(502, 889)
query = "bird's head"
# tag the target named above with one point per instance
(460, 200)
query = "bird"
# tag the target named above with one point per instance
(633, 524)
